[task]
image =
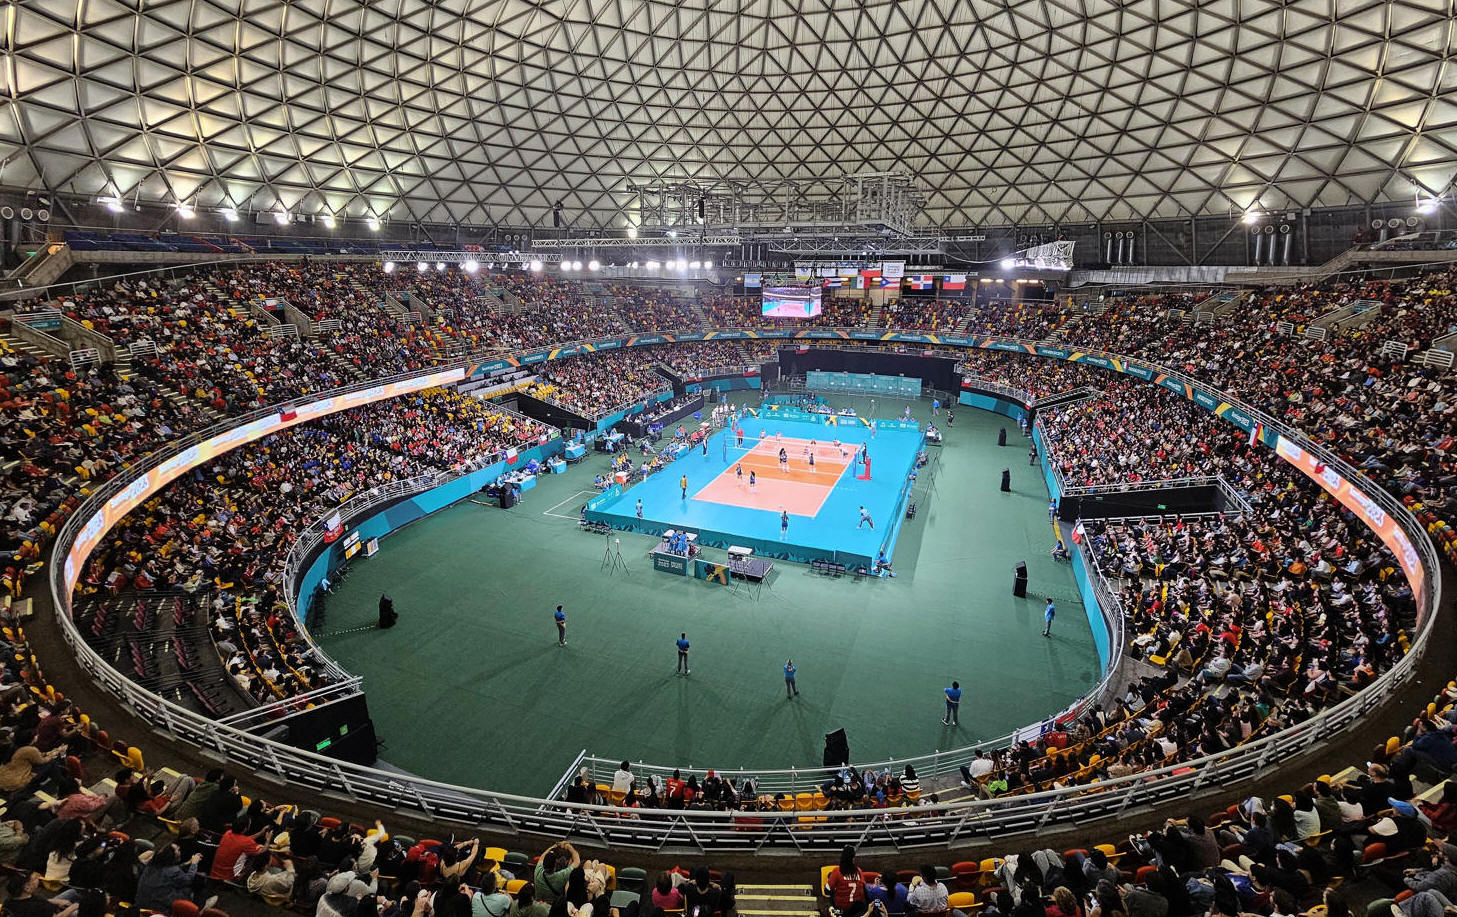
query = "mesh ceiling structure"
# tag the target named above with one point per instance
(490, 111)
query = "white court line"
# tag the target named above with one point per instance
(571, 499)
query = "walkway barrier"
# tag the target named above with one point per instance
(899, 829)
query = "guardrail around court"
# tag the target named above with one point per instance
(731, 831)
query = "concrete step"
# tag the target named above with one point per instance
(776, 901)
(24, 347)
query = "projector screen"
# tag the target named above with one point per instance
(792, 302)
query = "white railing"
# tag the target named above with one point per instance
(1010, 392)
(707, 830)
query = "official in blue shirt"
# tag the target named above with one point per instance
(789, 687)
(1048, 614)
(561, 626)
(683, 654)
(953, 705)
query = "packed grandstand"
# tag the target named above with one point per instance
(1254, 623)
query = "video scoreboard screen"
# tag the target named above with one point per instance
(792, 302)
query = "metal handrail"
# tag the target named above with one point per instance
(737, 830)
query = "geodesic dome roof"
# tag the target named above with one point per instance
(490, 111)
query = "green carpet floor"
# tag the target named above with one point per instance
(472, 688)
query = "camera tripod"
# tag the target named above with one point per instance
(612, 560)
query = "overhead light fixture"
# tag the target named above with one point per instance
(471, 266)
(389, 267)
(594, 265)
(1008, 263)
(632, 232)
(536, 267)
(230, 214)
(1427, 207)
(651, 265)
(695, 264)
(1252, 216)
(372, 223)
(672, 233)
(113, 204)
(421, 266)
(329, 221)
(440, 265)
(281, 218)
(185, 211)
(708, 265)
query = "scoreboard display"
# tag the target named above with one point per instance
(792, 302)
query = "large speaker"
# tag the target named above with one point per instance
(508, 498)
(837, 749)
(1019, 583)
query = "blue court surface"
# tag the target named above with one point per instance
(823, 501)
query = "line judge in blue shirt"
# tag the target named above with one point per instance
(953, 705)
(683, 654)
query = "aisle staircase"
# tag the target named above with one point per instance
(126, 370)
(699, 315)
(776, 901)
(11, 342)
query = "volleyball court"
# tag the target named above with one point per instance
(794, 485)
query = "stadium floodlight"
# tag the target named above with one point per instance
(1008, 263)
(1252, 216)
(651, 265)
(536, 267)
(632, 232)
(440, 266)
(185, 211)
(230, 214)
(1427, 207)
(672, 233)
(389, 267)
(372, 223)
(471, 266)
(594, 265)
(281, 218)
(328, 221)
(708, 265)
(695, 264)
(421, 266)
(113, 204)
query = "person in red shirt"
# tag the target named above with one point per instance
(845, 887)
(234, 849)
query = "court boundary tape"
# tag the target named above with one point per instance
(571, 499)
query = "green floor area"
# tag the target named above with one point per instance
(472, 688)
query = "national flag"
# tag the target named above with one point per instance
(833, 283)
(752, 371)
(802, 349)
(870, 273)
(511, 456)
(887, 283)
(1078, 533)
(1257, 431)
(953, 281)
(288, 415)
(859, 281)
(921, 282)
(334, 528)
